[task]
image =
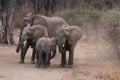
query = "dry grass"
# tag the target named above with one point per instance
(113, 74)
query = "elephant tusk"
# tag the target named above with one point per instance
(51, 52)
(63, 45)
(24, 42)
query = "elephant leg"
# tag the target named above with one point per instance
(47, 59)
(33, 56)
(44, 60)
(37, 58)
(70, 61)
(40, 59)
(63, 59)
(23, 52)
(22, 55)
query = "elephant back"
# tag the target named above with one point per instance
(54, 24)
(43, 44)
(39, 20)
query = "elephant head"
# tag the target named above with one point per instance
(33, 32)
(28, 18)
(31, 19)
(34, 19)
(53, 44)
(70, 34)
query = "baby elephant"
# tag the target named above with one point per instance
(44, 47)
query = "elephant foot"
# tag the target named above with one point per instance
(70, 66)
(32, 62)
(37, 66)
(60, 64)
(63, 66)
(21, 62)
(44, 67)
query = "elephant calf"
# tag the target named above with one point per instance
(44, 47)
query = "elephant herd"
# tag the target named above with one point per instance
(43, 34)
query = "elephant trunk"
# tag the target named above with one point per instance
(20, 45)
(18, 48)
(53, 53)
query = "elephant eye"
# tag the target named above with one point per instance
(29, 34)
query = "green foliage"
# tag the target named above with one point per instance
(114, 13)
(80, 17)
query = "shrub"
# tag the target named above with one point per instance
(80, 17)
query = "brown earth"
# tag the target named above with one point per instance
(91, 60)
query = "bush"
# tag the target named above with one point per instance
(111, 22)
(80, 17)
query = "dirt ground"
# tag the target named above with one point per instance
(90, 59)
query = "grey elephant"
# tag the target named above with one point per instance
(67, 39)
(31, 34)
(52, 24)
(44, 47)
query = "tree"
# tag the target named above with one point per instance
(47, 6)
(7, 13)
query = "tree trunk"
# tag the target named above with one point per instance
(0, 22)
(6, 19)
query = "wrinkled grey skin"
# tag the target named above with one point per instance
(52, 24)
(31, 35)
(44, 47)
(67, 39)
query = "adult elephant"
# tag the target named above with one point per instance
(31, 35)
(67, 39)
(52, 24)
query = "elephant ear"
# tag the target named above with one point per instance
(67, 31)
(73, 34)
(53, 41)
(29, 32)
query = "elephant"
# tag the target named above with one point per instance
(67, 39)
(31, 34)
(52, 24)
(44, 47)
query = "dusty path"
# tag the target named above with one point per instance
(90, 59)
